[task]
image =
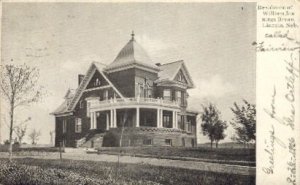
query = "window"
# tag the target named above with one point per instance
(88, 105)
(147, 142)
(180, 77)
(167, 94)
(178, 96)
(167, 121)
(193, 129)
(189, 129)
(64, 126)
(168, 142)
(81, 104)
(97, 82)
(181, 122)
(193, 142)
(105, 94)
(78, 125)
(141, 91)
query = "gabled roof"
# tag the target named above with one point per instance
(70, 93)
(64, 106)
(132, 54)
(70, 103)
(169, 71)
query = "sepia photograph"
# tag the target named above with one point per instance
(128, 93)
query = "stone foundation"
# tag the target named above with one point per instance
(143, 136)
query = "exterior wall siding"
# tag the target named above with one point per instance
(124, 81)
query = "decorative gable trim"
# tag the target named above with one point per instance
(185, 73)
(109, 82)
(87, 78)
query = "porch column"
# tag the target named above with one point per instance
(161, 118)
(174, 119)
(91, 120)
(115, 118)
(107, 121)
(95, 120)
(158, 119)
(111, 118)
(137, 117)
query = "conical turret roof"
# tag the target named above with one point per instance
(130, 55)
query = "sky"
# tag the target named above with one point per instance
(62, 39)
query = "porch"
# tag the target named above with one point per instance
(134, 117)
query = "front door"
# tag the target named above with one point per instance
(101, 121)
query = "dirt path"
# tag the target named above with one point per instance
(195, 165)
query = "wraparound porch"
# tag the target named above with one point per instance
(135, 117)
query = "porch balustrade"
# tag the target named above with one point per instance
(133, 101)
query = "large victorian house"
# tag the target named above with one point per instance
(144, 102)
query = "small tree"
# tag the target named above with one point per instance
(51, 137)
(21, 129)
(18, 87)
(34, 136)
(244, 122)
(220, 127)
(121, 139)
(212, 125)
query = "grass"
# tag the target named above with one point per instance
(234, 154)
(40, 171)
(32, 150)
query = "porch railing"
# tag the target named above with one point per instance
(135, 100)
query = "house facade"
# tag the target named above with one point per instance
(130, 102)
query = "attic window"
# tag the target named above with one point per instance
(97, 82)
(181, 77)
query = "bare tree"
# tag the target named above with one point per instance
(51, 137)
(34, 136)
(121, 139)
(18, 87)
(20, 130)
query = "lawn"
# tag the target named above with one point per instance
(41, 171)
(232, 154)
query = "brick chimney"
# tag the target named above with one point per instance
(80, 78)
